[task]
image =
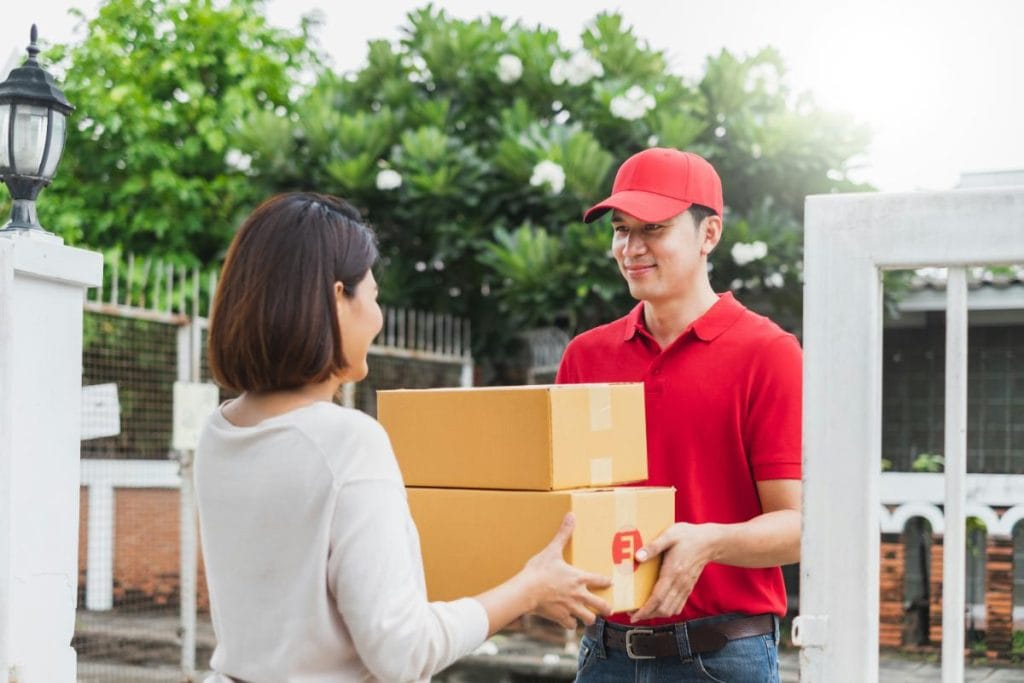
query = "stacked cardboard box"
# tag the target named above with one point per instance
(491, 472)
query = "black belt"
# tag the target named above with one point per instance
(647, 643)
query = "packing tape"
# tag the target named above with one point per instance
(600, 407)
(623, 576)
(600, 471)
(623, 587)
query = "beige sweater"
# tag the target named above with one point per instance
(312, 559)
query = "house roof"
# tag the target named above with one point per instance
(988, 289)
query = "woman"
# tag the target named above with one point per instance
(311, 557)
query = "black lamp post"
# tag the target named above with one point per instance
(33, 125)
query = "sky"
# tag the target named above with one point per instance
(939, 82)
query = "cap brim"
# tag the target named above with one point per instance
(645, 206)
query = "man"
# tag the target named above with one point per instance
(723, 407)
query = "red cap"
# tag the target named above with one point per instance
(659, 183)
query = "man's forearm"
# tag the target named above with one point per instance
(768, 540)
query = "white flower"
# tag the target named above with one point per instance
(743, 253)
(583, 67)
(774, 281)
(389, 179)
(625, 109)
(237, 160)
(419, 72)
(633, 105)
(577, 70)
(510, 68)
(558, 70)
(548, 173)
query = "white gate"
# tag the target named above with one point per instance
(849, 241)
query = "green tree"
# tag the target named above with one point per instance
(159, 86)
(474, 146)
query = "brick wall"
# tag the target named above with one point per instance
(146, 549)
(891, 613)
(999, 595)
(935, 592)
(83, 523)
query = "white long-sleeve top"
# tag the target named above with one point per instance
(312, 559)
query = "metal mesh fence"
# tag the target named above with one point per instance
(140, 357)
(127, 623)
(392, 372)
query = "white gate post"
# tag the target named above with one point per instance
(849, 240)
(42, 287)
(954, 551)
(839, 560)
(188, 370)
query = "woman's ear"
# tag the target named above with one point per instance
(339, 292)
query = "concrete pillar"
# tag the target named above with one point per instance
(999, 595)
(891, 578)
(42, 285)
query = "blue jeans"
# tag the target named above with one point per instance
(745, 660)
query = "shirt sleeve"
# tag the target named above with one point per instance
(376, 577)
(773, 431)
(567, 373)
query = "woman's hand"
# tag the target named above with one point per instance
(561, 592)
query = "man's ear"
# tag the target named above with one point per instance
(711, 232)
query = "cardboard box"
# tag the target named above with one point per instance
(472, 540)
(541, 438)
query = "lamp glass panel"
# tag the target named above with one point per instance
(29, 138)
(56, 144)
(5, 122)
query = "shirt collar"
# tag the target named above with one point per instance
(634, 322)
(716, 320)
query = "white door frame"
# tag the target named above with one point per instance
(849, 240)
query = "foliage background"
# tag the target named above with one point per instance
(472, 146)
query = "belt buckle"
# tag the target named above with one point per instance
(629, 642)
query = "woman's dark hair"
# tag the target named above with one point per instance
(274, 323)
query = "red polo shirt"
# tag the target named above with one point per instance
(723, 405)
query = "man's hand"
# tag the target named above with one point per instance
(768, 540)
(686, 549)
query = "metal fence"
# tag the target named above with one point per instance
(143, 607)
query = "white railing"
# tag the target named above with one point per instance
(156, 290)
(995, 499)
